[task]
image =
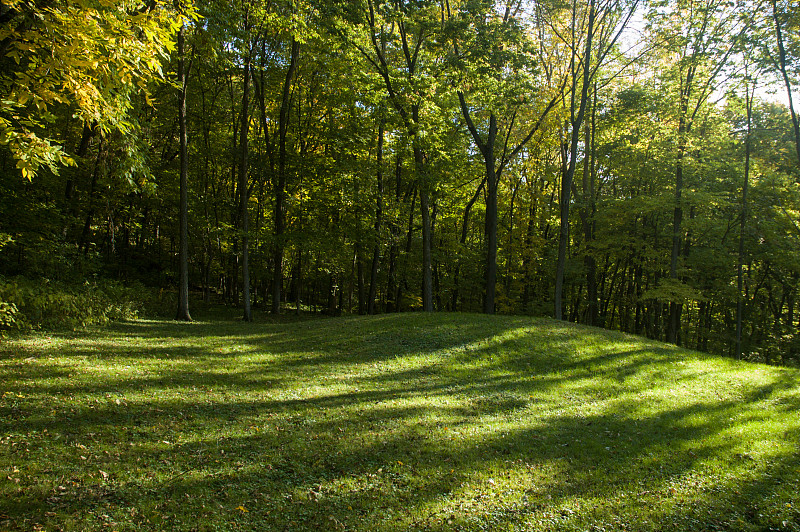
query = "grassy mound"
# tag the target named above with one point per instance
(401, 422)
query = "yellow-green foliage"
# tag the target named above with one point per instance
(91, 56)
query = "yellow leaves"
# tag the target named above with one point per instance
(15, 55)
(86, 65)
(26, 169)
(41, 106)
(242, 509)
(93, 56)
(29, 150)
(24, 47)
(153, 65)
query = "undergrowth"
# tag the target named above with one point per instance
(27, 304)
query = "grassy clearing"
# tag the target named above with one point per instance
(401, 422)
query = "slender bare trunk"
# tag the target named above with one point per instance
(243, 185)
(567, 178)
(781, 64)
(742, 225)
(280, 185)
(183, 274)
(376, 250)
(490, 224)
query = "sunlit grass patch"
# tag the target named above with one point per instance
(409, 422)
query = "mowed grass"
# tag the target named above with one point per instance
(397, 422)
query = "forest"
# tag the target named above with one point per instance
(627, 164)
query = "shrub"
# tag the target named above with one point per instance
(32, 304)
(8, 315)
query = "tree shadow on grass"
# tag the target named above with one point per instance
(365, 471)
(481, 431)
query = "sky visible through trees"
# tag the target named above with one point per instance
(599, 161)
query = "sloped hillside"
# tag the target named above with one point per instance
(396, 422)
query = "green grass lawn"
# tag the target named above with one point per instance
(397, 422)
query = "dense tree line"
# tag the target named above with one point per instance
(605, 162)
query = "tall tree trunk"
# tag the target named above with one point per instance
(332, 292)
(423, 180)
(427, 245)
(83, 147)
(463, 242)
(742, 225)
(280, 187)
(674, 324)
(298, 282)
(98, 164)
(183, 275)
(526, 260)
(376, 250)
(587, 213)
(427, 234)
(637, 293)
(781, 65)
(243, 181)
(403, 284)
(437, 298)
(490, 224)
(567, 178)
(512, 205)
(395, 230)
(362, 300)
(490, 179)
(70, 201)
